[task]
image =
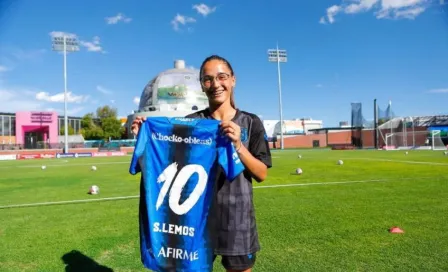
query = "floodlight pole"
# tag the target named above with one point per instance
(65, 99)
(413, 131)
(60, 44)
(276, 55)
(390, 115)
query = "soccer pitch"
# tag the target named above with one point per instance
(330, 218)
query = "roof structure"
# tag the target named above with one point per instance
(419, 121)
(173, 89)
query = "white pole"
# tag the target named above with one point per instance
(413, 134)
(432, 139)
(65, 98)
(280, 98)
(390, 115)
(405, 132)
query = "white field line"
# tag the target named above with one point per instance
(68, 202)
(400, 161)
(64, 165)
(255, 187)
(338, 182)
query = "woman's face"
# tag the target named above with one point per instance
(217, 82)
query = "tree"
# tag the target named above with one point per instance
(102, 126)
(106, 112)
(111, 128)
(71, 131)
(93, 133)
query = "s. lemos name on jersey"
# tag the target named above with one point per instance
(179, 159)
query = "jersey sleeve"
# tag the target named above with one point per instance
(229, 160)
(258, 144)
(139, 148)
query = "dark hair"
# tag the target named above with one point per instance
(223, 60)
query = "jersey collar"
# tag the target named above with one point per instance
(209, 114)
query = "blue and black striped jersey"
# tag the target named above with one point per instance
(179, 159)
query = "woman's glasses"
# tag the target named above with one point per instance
(207, 81)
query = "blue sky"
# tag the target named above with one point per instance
(339, 51)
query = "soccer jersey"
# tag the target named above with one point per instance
(179, 159)
(235, 212)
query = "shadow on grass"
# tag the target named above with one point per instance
(75, 261)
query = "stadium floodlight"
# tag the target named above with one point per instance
(276, 55)
(65, 43)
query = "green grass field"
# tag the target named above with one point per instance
(330, 218)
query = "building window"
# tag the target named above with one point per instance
(78, 125)
(72, 124)
(61, 126)
(13, 126)
(6, 125)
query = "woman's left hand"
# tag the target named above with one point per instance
(233, 131)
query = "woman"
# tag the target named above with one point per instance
(235, 214)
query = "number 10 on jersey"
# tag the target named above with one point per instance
(178, 184)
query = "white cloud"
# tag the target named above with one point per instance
(59, 98)
(203, 9)
(70, 111)
(118, 18)
(395, 4)
(322, 20)
(103, 90)
(181, 20)
(331, 12)
(443, 90)
(91, 46)
(410, 13)
(360, 6)
(17, 99)
(136, 100)
(385, 9)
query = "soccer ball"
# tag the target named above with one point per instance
(406, 153)
(340, 162)
(299, 171)
(300, 156)
(446, 152)
(94, 190)
(93, 168)
(43, 167)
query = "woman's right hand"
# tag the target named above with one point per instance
(136, 124)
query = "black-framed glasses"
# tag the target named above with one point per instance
(207, 81)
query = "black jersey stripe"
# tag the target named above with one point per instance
(179, 153)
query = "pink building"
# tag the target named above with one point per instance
(36, 126)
